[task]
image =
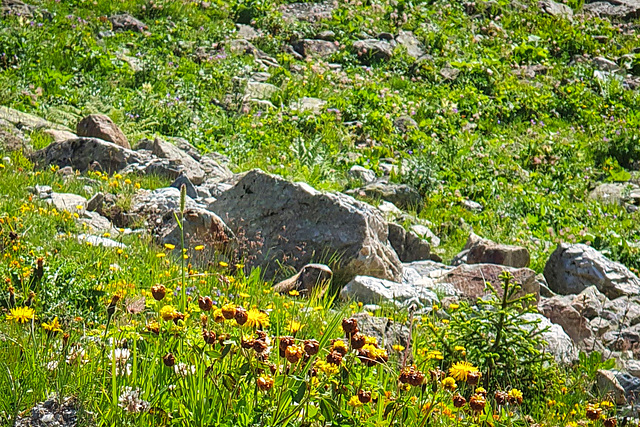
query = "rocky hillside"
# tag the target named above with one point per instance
(187, 183)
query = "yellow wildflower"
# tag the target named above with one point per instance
(21, 314)
(199, 247)
(294, 326)
(52, 327)
(354, 402)
(168, 312)
(257, 318)
(460, 370)
(449, 384)
(169, 246)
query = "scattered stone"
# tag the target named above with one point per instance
(389, 210)
(95, 203)
(69, 202)
(472, 206)
(615, 193)
(309, 278)
(470, 280)
(405, 124)
(179, 162)
(449, 73)
(17, 8)
(51, 413)
(295, 224)
(633, 367)
(425, 232)
(310, 12)
(560, 311)
(401, 195)
(315, 48)
(411, 43)
(183, 180)
(126, 22)
(488, 252)
(247, 32)
(573, 268)
(559, 344)
(407, 244)
(371, 290)
(363, 175)
(314, 105)
(200, 227)
(327, 35)
(258, 90)
(22, 120)
(96, 223)
(102, 127)
(626, 311)
(12, 139)
(619, 9)
(558, 10)
(590, 302)
(607, 383)
(100, 241)
(372, 50)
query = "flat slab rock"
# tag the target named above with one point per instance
(294, 224)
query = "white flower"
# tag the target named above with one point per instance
(131, 402)
(121, 356)
(77, 355)
(52, 366)
(182, 369)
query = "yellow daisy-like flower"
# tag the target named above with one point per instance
(257, 318)
(244, 295)
(294, 326)
(449, 384)
(326, 368)
(294, 293)
(199, 247)
(454, 306)
(461, 349)
(223, 264)
(21, 314)
(168, 313)
(435, 354)
(354, 402)
(169, 246)
(53, 327)
(160, 255)
(398, 347)
(460, 370)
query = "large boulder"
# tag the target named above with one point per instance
(22, 120)
(179, 160)
(294, 224)
(559, 344)
(411, 43)
(409, 246)
(617, 9)
(371, 290)
(83, 153)
(480, 251)
(470, 280)
(102, 127)
(372, 49)
(573, 268)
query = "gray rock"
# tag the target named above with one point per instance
(126, 22)
(410, 42)
(560, 311)
(630, 384)
(200, 227)
(620, 9)
(607, 383)
(314, 105)
(626, 310)
(472, 206)
(68, 202)
(51, 413)
(449, 73)
(257, 90)
(573, 268)
(425, 232)
(590, 302)
(247, 32)
(43, 191)
(389, 210)
(405, 124)
(362, 174)
(82, 153)
(615, 193)
(470, 280)
(309, 12)
(178, 161)
(407, 244)
(558, 10)
(295, 224)
(59, 135)
(601, 326)
(604, 64)
(427, 273)
(22, 120)
(95, 203)
(327, 35)
(17, 8)
(102, 127)
(315, 48)
(558, 342)
(401, 195)
(12, 138)
(371, 290)
(183, 180)
(633, 367)
(387, 332)
(96, 223)
(371, 50)
(307, 280)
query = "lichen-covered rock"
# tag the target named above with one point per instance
(295, 224)
(371, 290)
(102, 127)
(408, 245)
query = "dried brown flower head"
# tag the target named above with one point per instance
(206, 304)
(169, 360)
(364, 396)
(334, 358)
(459, 401)
(241, 316)
(264, 383)
(477, 402)
(311, 347)
(358, 341)
(209, 337)
(350, 326)
(158, 292)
